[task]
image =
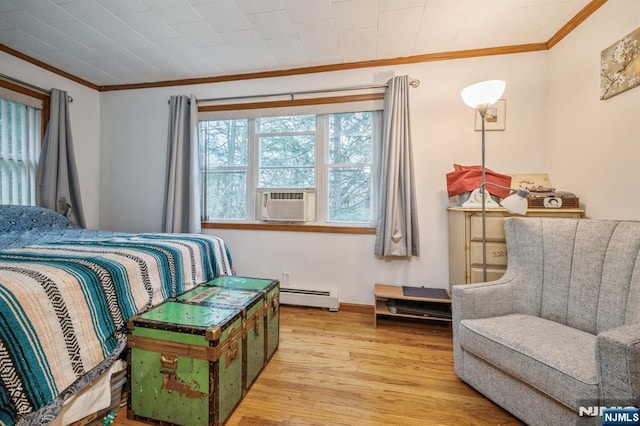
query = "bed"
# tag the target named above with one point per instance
(66, 295)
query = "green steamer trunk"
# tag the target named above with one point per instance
(251, 304)
(271, 290)
(185, 364)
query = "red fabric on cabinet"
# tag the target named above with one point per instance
(467, 178)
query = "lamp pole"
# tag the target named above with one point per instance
(481, 96)
(482, 110)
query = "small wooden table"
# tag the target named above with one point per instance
(384, 293)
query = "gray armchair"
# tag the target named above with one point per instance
(560, 331)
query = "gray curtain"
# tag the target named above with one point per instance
(182, 200)
(397, 227)
(57, 186)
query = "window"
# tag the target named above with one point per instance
(286, 147)
(20, 136)
(349, 166)
(331, 152)
(224, 148)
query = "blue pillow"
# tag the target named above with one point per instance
(27, 218)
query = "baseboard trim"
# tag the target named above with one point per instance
(357, 308)
(344, 307)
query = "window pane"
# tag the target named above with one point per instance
(224, 142)
(350, 138)
(225, 196)
(286, 177)
(349, 194)
(287, 150)
(287, 162)
(293, 123)
(224, 147)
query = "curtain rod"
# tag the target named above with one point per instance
(29, 85)
(412, 82)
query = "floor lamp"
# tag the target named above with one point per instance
(481, 96)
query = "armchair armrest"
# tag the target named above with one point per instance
(618, 360)
(482, 300)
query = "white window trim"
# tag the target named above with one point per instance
(356, 106)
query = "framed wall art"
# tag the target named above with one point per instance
(495, 118)
(620, 66)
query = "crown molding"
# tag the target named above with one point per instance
(580, 17)
(430, 57)
(47, 67)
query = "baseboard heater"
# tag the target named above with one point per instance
(313, 298)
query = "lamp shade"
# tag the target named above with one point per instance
(516, 203)
(483, 93)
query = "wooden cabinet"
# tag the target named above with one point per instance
(465, 241)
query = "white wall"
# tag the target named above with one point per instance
(594, 145)
(85, 126)
(133, 159)
(133, 162)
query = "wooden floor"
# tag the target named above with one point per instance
(337, 369)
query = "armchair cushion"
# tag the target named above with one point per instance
(556, 359)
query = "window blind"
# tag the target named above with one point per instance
(20, 133)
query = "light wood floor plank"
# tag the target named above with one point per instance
(335, 368)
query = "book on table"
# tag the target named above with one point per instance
(425, 292)
(437, 310)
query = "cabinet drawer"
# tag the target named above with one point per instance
(496, 253)
(492, 274)
(465, 241)
(495, 228)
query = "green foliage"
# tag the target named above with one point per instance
(286, 158)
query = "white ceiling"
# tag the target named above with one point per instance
(111, 42)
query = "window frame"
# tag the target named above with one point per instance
(317, 106)
(44, 98)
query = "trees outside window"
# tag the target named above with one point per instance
(332, 153)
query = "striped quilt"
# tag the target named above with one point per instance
(65, 301)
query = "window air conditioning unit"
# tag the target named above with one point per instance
(286, 205)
